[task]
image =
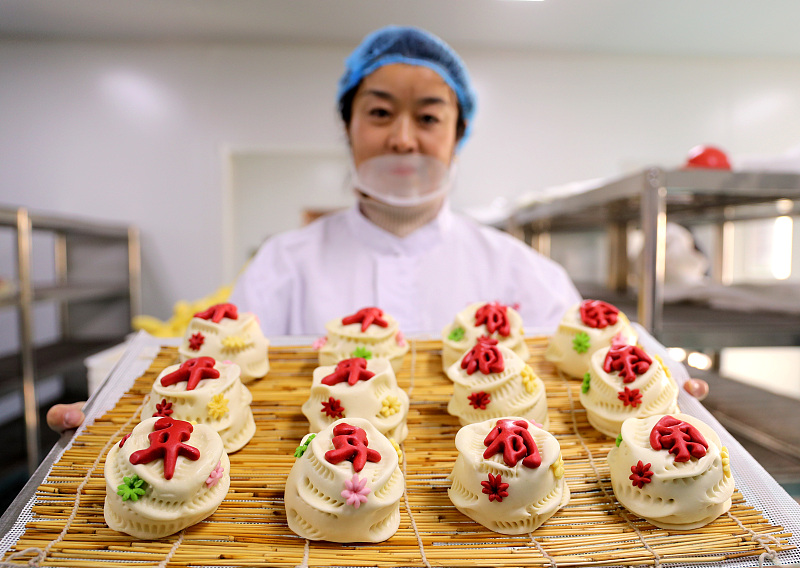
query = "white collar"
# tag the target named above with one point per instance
(384, 242)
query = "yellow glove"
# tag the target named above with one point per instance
(182, 314)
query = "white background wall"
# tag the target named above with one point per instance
(142, 133)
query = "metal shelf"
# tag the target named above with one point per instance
(97, 280)
(52, 358)
(687, 192)
(64, 225)
(80, 292)
(648, 199)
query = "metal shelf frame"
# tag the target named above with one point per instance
(23, 294)
(649, 198)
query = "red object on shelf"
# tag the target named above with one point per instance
(707, 157)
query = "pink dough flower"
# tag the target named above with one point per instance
(215, 475)
(319, 343)
(355, 492)
(400, 338)
(619, 340)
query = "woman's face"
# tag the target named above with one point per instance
(403, 109)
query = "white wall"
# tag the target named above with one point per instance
(139, 133)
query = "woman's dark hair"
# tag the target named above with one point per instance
(346, 112)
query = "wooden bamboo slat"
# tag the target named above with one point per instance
(249, 528)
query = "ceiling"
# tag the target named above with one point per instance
(652, 27)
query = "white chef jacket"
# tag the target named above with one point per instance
(343, 262)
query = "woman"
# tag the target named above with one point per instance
(407, 105)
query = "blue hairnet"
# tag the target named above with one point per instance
(396, 44)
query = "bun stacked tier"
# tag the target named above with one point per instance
(357, 388)
(481, 319)
(491, 381)
(345, 485)
(671, 470)
(369, 333)
(508, 476)
(163, 477)
(585, 329)
(207, 392)
(626, 382)
(223, 333)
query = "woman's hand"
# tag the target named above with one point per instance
(63, 417)
(698, 388)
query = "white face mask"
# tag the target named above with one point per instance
(403, 180)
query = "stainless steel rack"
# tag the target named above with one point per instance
(97, 288)
(648, 199)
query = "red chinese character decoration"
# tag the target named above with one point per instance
(350, 443)
(333, 408)
(632, 398)
(217, 312)
(166, 441)
(629, 360)
(163, 408)
(479, 400)
(512, 438)
(192, 371)
(485, 356)
(196, 341)
(350, 370)
(598, 314)
(366, 317)
(495, 317)
(640, 474)
(679, 437)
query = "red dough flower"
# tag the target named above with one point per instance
(640, 474)
(350, 443)
(366, 317)
(333, 408)
(630, 397)
(192, 371)
(485, 356)
(513, 439)
(350, 370)
(217, 312)
(196, 341)
(679, 437)
(495, 488)
(495, 317)
(124, 439)
(629, 360)
(163, 408)
(479, 400)
(598, 314)
(166, 441)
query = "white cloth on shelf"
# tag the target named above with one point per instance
(342, 262)
(782, 297)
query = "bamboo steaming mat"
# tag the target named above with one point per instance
(249, 528)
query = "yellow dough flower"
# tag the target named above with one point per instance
(726, 462)
(235, 343)
(663, 365)
(218, 407)
(528, 379)
(397, 449)
(390, 405)
(558, 467)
